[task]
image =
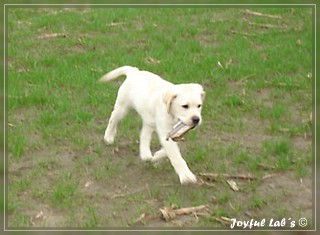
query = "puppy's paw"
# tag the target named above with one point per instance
(146, 157)
(188, 178)
(108, 139)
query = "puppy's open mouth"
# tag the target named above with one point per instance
(179, 130)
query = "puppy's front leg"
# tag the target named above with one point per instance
(178, 163)
(145, 139)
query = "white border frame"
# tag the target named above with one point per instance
(164, 230)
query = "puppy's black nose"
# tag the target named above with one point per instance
(195, 120)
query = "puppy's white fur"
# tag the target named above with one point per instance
(160, 104)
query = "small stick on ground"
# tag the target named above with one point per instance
(53, 35)
(268, 26)
(233, 185)
(169, 214)
(254, 13)
(204, 183)
(215, 177)
(268, 176)
(188, 210)
(223, 220)
(116, 23)
(140, 219)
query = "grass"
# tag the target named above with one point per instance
(256, 113)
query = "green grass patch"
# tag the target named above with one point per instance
(256, 112)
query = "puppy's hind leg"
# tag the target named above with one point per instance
(145, 139)
(117, 115)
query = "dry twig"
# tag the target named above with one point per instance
(169, 214)
(52, 35)
(188, 210)
(268, 176)
(223, 220)
(268, 26)
(254, 13)
(204, 183)
(116, 23)
(215, 177)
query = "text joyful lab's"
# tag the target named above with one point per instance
(249, 224)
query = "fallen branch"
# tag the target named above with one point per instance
(215, 177)
(254, 13)
(169, 214)
(188, 210)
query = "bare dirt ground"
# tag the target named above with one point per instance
(117, 197)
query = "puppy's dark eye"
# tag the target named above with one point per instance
(199, 106)
(185, 106)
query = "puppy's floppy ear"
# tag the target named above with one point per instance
(203, 95)
(202, 92)
(168, 98)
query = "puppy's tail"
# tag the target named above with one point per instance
(124, 70)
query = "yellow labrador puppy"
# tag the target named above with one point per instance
(160, 104)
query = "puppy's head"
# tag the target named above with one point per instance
(184, 103)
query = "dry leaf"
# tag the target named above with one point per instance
(39, 215)
(233, 185)
(150, 60)
(87, 184)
